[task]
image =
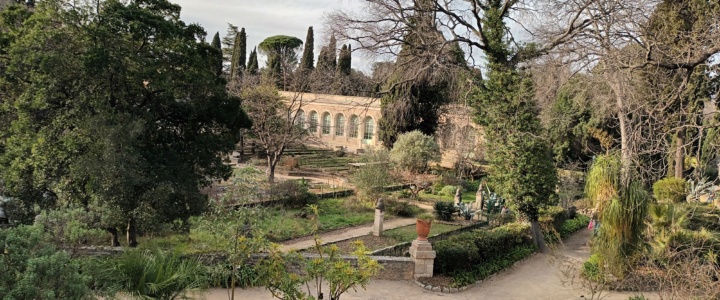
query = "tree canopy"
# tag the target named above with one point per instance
(119, 108)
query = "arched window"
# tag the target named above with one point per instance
(340, 125)
(354, 127)
(326, 123)
(369, 127)
(300, 119)
(313, 122)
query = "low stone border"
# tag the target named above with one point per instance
(449, 290)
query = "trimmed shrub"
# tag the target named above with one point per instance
(401, 208)
(465, 250)
(482, 271)
(448, 190)
(444, 210)
(670, 189)
(573, 225)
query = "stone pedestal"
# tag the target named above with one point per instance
(424, 257)
(378, 225)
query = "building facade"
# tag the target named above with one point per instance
(351, 124)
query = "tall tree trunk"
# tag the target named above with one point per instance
(132, 232)
(624, 123)
(242, 146)
(272, 162)
(114, 236)
(680, 153)
(537, 236)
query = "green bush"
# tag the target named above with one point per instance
(465, 250)
(401, 208)
(573, 225)
(483, 270)
(670, 189)
(444, 210)
(31, 268)
(455, 253)
(591, 268)
(448, 190)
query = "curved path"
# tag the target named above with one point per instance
(538, 277)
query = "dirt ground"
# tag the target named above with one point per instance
(538, 277)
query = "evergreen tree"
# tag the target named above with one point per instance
(521, 160)
(235, 61)
(217, 57)
(343, 64)
(332, 52)
(228, 43)
(308, 59)
(252, 67)
(243, 49)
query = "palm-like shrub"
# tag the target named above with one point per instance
(155, 274)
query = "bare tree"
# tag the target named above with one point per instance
(278, 122)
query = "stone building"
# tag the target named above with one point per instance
(350, 124)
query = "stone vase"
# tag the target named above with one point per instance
(423, 229)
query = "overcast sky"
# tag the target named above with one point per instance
(264, 18)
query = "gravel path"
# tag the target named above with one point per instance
(534, 278)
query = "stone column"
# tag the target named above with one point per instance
(379, 218)
(424, 257)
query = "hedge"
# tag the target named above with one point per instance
(480, 246)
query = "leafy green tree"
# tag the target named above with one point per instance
(308, 58)
(414, 150)
(31, 268)
(281, 51)
(108, 125)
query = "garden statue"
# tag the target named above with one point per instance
(458, 197)
(380, 205)
(379, 217)
(479, 198)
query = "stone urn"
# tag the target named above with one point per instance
(423, 228)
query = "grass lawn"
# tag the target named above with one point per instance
(280, 224)
(284, 224)
(408, 233)
(467, 196)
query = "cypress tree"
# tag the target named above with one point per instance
(252, 67)
(324, 59)
(243, 49)
(235, 62)
(343, 63)
(332, 51)
(217, 57)
(308, 58)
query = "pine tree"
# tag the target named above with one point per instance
(252, 67)
(308, 59)
(217, 57)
